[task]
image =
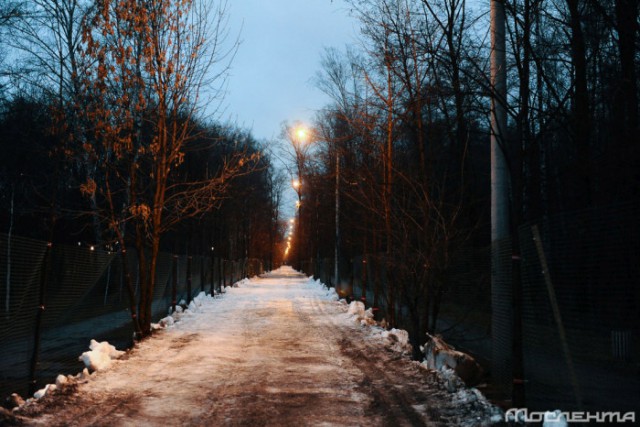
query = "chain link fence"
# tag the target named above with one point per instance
(578, 298)
(84, 297)
(581, 310)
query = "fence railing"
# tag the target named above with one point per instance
(78, 293)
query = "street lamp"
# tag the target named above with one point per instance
(336, 270)
(299, 135)
(297, 185)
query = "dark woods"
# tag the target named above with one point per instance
(106, 139)
(409, 124)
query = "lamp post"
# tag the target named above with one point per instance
(336, 269)
(289, 236)
(299, 136)
(296, 185)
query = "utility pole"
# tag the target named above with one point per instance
(501, 292)
(336, 270)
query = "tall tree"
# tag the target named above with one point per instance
(158, 55)
(581, 123)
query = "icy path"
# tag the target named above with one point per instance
(275, 351)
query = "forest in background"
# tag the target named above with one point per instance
(406, 138)
(105, 104)
(107, 143)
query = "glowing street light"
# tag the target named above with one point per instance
(300, 137)
(301, 133)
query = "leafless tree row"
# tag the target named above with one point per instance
(118, 96)
(409, 124)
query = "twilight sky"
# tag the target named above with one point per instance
(281, 45)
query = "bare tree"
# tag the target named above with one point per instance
(151, 62)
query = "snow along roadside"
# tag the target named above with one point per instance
(299, 299)
(101, 355)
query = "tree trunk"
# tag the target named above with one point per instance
(581, 118)
(628, 141)
(7, 300)
(626, 17)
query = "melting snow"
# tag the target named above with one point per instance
(229, 338)
(100, 356)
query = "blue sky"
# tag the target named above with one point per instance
(281, 46)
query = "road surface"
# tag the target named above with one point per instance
(276, 351)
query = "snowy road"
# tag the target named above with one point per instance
(274, 351)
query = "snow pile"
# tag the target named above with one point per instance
(361, 316)
(332, 295)
(397, 340)
(199, 301)
(194, 306)
(356, 308)
(100, 356)
(61, 383)
(326, 292)
(241, 283)
(368, 318)
(472, 400)
(164, 323)
(440, 356)
(43, 391)
(314, 282)
(450, 380)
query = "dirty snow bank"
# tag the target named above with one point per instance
(98, 359)
(360, 315)
(194, 306)
(455, 369)
(102, 354)
(327, 293)
(441, 356)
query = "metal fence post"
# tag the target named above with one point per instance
(174, 284)
(363, 279)
(219, 274)
(213, 273)
(224, 274)
(44, 277)
(556, 314)
(202, 274)
(233, 273)
(189, 258)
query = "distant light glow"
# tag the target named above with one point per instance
(301, 133)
